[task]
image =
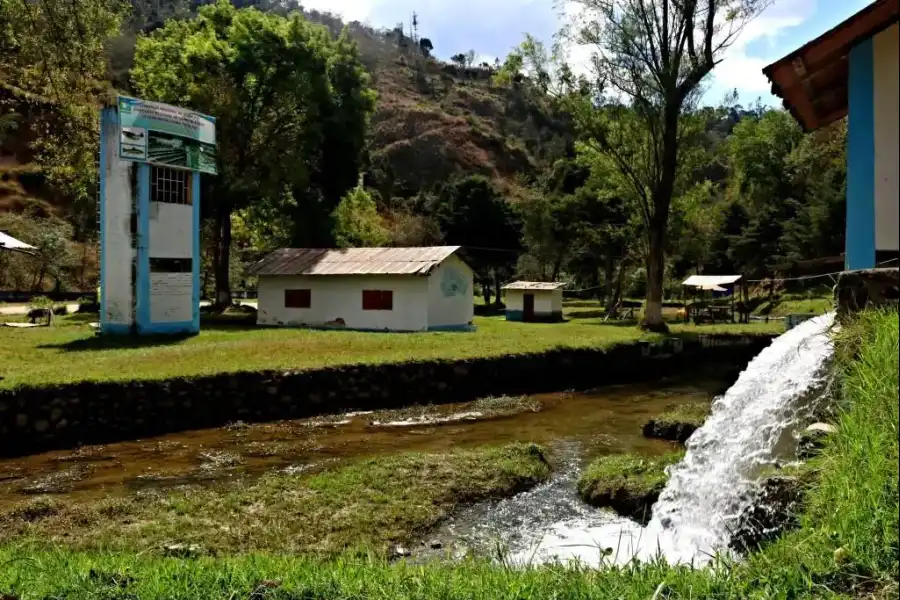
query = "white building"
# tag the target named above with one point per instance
(532, 301)
(375, 289)
(150, 216)
(853, 70)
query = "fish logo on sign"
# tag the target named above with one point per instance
(453, 283)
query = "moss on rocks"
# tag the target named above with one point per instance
(678, 424)
(627, 483)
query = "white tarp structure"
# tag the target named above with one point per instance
(711, 282)
(7, 242)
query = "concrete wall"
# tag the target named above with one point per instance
(63, 416)
(118, 197)
(547, 304)
(134, 230)
(340, 297)
(872, 153)
(171, 236)
(451, 304)
(171, 230)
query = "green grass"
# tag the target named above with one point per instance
(112, 576)
(679, 423)
(846, 548)
(70, 351)
(628, 483)
(690, 414)
(815, 302)
(370, 504)
(848, 542)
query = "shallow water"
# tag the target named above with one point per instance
(751, 427)
(575, 426)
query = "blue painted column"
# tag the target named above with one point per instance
(195, 264)
(860, 242)
(142, 256)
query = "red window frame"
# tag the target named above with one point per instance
(377, 300)
(297, 298)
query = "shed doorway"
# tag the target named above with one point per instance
(528, 308)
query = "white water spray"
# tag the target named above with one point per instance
(750, 427)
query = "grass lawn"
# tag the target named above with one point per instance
(70, 351)
(628, 483)
(370, 504)
(816, 301)
(847, 546)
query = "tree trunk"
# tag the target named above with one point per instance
(659, 221)
(223, 257)
(608, 280)
(557, 266)
(486, 291)
(620, 281)
(656, 264)
(497, 286)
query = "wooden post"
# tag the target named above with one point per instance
(733, 292)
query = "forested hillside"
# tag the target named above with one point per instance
(498, 158)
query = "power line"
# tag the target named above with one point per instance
(807, 277)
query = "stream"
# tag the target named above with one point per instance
(574, 427)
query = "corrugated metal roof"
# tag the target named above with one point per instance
(534, 285)
(353, 261)
(709, 281)
(7, 242)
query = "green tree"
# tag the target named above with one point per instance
(54, 69)
(426, 46)
(511, 69)
(53, 253)
(650, 59)
(357, 222)
(291, 106)
(757, 151)
(472, 213)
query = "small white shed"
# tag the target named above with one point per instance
(534, 301)
(372, 289)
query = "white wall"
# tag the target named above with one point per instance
(334, 297)
(171, 230)
(117, 252)
(450, 294)
(886, 66)
(556, 298)
(545, 301)
(514, 300)
(171, 294)
(171, 297)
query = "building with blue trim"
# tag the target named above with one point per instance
(151, 156)
(366, 289)
(852, 70)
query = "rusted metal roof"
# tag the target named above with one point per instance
(535, 285)
(709, 282)
(812, 80)
(353, 261)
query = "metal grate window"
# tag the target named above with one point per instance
(170, 185)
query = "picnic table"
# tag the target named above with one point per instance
(711, 313)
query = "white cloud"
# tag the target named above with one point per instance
(742, 71)
(348, 10)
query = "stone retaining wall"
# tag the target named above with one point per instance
(35, 419)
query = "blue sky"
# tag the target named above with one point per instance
(493, 27)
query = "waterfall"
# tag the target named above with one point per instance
(750, 427)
